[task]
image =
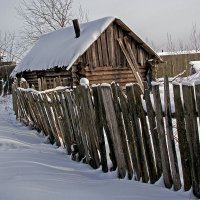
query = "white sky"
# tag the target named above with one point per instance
(151, 19)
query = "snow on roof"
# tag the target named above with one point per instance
(61, 48)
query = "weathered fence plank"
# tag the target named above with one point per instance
(74, 123)
(111, 120)
(88, 126)
(129, 133)
(148, 150)
(154, 133)
(141, 160)
(122, 131)
(170, 138)
(192, 136)
(161, 135)
(47, 103)
(197, 93)
(107, 130)
(46, 120)
(99, 126)
(182, 139)
(65, 123)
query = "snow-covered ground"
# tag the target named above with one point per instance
(30, 169)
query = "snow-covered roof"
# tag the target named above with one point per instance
(61, 48)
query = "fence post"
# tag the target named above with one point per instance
(182, 138)
(107, 130)
(170, 138)
(148, 150)
(99, 126)
(1, 87)
(47, 124)
(65, 123)
(161, 135)
(48, 106)
(197, 92)
(137, 134)
(130, 134)
(122, 132)
(62, 125)
(192, 136)
(74, 122)
(111, 119)
(154, 132)
(88, 127)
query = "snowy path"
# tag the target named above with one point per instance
(33, 170)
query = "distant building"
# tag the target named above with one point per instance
(176, 62)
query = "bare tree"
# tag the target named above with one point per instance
(43, 16)
(170, 44)
(181, 46)
(82, 14)
(154, 46)
(195, 38)
(10, 48)
(10, 51)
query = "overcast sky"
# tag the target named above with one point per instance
(151, 19)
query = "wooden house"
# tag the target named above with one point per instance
(103, 51)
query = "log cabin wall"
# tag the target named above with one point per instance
(106, 62)
(52, 77)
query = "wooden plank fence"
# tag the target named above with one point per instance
(138, 129)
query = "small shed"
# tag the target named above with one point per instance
(103, 51)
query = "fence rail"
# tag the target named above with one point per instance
(142, 141)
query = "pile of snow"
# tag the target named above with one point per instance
(31, 169)
(84, 81)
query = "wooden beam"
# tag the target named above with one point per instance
(131, 64)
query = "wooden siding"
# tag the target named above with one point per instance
(175, 64)
(122, 76)
(105, 51)
(49, 76)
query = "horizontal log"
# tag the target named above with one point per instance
(111, 72)
(129, 80)
(112, 77)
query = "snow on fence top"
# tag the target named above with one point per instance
(61, 47)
